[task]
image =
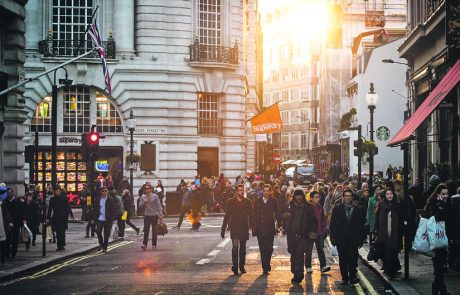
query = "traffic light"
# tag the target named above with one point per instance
(90, 145)
(358, 151)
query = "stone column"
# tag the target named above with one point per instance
(34, 24)
(123, 32)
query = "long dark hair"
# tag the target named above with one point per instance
(438, 189)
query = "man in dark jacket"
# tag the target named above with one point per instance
(58, 213)
(265, 216)
(83, 196)
(238, 216)
(347, 232)
(16, 208)
(300, 224)
(7, 223)
(104, 208)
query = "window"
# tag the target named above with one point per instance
(285, 117)
(295, 141)
(304, 115)
(314, 92)
(76, 115)
(108, 120)
(285, 95)
(295, 94)
(285, 141)
(276, 96)
(304, 141)
(41, 121)
(304, 93)
(295, 116)
(209, 22)
(70, 18)
(208, 110)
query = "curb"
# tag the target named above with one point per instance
(400, 287)
(9, 274)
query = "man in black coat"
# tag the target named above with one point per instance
(347, 232)
(265, 215)
(16, 208)
(238, 216)
(58, 213)
(300, 224)
(104, 208)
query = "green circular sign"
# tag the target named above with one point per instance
(383, 133)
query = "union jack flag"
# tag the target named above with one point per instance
(96, 38)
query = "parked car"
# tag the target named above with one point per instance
(290, 173)
(304, 174)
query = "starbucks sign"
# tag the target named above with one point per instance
(383, 133)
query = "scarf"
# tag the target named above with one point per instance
(348, 211)
(389, 224)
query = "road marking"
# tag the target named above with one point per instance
(224, 243)
(366, 283)
(359, 289)
(58, 266)
(203, 261)
(213, 253)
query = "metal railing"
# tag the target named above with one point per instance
(210, 126)
(66, 48)
(211, 53)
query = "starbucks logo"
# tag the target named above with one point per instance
(383, 133)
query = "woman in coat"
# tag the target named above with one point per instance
(371, 214)
(128, 204)
(439, 206)
(389, 231)
(6, 225)
(32, 218)
(58, 213)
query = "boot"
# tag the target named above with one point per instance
(434, 289)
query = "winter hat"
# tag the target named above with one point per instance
(434, 180)
(284, 188)
(299, 192)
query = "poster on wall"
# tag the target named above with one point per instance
(453, 22)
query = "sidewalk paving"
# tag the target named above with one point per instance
(25, 261)
(420, 274)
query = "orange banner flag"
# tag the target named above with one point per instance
(268, 121)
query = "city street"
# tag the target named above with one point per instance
(185, 262)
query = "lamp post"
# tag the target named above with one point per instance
(371, 100)
(131, 126)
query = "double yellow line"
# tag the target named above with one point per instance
(58, 266)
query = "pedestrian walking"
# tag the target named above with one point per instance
(196, 204)
(152, 212)
(128, 204)
(83, 196)
(321, 234)
(160, 191)
(32, 218)
(300, 224)
(389, 232)
(6, 224)
(123, 185)
(119, 210)
(439, 206)
(238, 217)
(58, 213)
(266, 221)
(105, 214)
(347, 231)
(185, 204)
(15, 205)
(371, 213)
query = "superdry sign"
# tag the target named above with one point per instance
(268, 121)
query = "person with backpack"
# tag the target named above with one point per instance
(119, 210)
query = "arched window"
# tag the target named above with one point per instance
(41, 120)
(108, 119)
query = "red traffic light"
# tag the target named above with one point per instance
(94, 137)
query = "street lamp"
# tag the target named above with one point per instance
(390, 61)
(371, 100)
(131, 127)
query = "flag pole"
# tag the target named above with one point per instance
(46, 72)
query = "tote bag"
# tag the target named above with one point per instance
(421, 241)
(437, 234)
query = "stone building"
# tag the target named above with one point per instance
(183, 68)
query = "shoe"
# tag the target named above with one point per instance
(235, 270)
(177, 227)
(53, 241)
(297, 279)
(104, 250)
(137, 231)
(344, 283)
(242, 270)
(60, 249)
(33, 243)
(144, 247)
(354, 281)
(87, 237)
(265, 272)
(154, 246)
(325, 269)
(309, 270)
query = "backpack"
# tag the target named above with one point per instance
(119, 209)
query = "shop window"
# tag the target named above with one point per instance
(76, 115)
(108, 119)
(41, 121)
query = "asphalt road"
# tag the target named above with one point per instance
(185, 262)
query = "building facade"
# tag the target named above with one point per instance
(180, 67)
(12, 114)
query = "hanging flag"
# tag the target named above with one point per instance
(268, 121)
(96, 38)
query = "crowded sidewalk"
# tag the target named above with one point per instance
(420, 274)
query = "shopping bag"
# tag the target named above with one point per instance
(23, 236)
(124, 216)
(161, 228)
(421, 241)
(437, 234)
(49, 232)
(29, 232)
(334, 251)
(114, 232)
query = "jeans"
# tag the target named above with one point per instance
(3, 252)
(12, 241)
(266, 251)
(150, 221)
(121, 227)
(106, 226)
(60, 237)
(297, 257)
(184, 211)
(348, 260)
(439, 260)
(91, 226)
(238, 251)
(319, 242)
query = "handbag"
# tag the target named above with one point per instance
(437, 234)
(49, 233)
(161, 228)
(421, 241)
(124, 216)
(114, 232)
(28, 231)
(375, 252)
(23, 236)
